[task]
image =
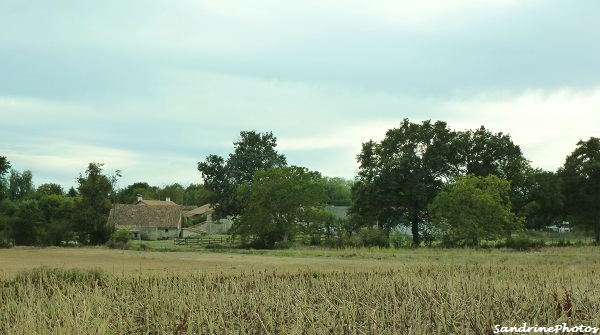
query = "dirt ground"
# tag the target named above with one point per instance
(15, 260)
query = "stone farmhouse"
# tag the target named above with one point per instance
(148, 219)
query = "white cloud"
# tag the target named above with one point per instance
(547, 125)
(60, 161)
(152, 87)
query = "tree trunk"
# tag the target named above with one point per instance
(415, 231)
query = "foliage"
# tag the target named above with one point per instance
(545, 201)
(277, 203)
(58, 212)
(121, 235)
(481, 153)
(373, 238)
(472, 208)
(400, 176)
(399, 239)
(197, 195)
(20, 185)
(252, 152)
(4, 169)
(175, 192)
(339, 191)
(129, 194)
(93, 206)
(522, 242)
(580, 177)
(4, 166)
(26, 226)
(72, 192)
(49, 189)
(120, 239)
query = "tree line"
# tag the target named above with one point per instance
(460, 187)
(457, 187)
(48, 215)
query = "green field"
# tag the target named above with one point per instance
(297, 291)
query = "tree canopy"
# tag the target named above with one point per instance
(473, 208)
(580, 177)
(400, 176)
(93, 205)
(543, 199)
(20, 185)
(252, 152)
(4, 169)
(277, 202)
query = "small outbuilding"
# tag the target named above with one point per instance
(204, 224)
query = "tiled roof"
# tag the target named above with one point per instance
(195, 230)
(202, 210)
(127, 216)
(156, 203)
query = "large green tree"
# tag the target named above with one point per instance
(473, 208)
(197, 195)
(20, 185)
(25, 227)
(176, 192)
(580, 179)
(481, 152)
(278, 203)
(129, 194)
(252, 152)
(49, 189)
(544, 200)
(399, 176)
(58, 213)
(93, 205)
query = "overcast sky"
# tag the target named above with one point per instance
(153, 87)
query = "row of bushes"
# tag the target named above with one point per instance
(396, 239)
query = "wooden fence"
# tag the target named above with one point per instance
(201, 240)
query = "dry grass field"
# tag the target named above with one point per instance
(306, 291)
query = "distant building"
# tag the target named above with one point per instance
(148, 219)
(562, 228)
(206, 225)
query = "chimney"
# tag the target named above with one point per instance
(139, 197)
(168, 199)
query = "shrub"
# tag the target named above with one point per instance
(374, 238)
(315, 240)
(6, 243)
(120, 239)
(563, 243)
(399, 239)
(522, 242)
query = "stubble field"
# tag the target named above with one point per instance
(307, 291)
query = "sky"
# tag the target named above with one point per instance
(153, 87)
